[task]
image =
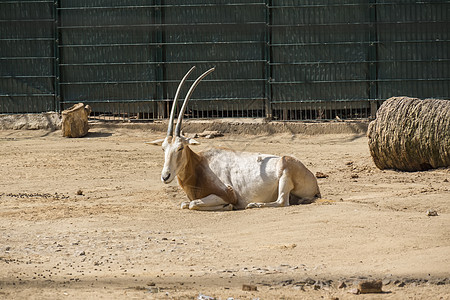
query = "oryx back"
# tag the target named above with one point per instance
(253, 176)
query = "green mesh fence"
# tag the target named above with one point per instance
(284, 59)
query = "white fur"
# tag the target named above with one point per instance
(254, 177)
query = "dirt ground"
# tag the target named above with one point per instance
(90, 219)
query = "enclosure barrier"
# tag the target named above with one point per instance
(283, 60)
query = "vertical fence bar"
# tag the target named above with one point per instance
(58, 106)
(160, 59)
(373, 57)
(267, 73)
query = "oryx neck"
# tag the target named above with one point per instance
(190, 161)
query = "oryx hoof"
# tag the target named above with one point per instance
(195, 205)
(228, 207)
(185, 205)
(253, 205)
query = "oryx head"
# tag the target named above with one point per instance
(173, 146)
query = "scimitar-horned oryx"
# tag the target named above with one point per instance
(219, 179)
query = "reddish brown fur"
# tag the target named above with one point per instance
(199, 181)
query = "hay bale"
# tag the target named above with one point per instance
(75, 121)
(410, 134)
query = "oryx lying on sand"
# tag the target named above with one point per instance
(218, 179)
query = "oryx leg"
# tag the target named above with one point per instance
(211, 203)
(285, 186)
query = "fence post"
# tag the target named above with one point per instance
(56, 61)
(267, 71)
(373, 58)
(160, 61)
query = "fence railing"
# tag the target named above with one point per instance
(284, 60)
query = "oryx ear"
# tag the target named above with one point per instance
(192, 141)
(156, 142)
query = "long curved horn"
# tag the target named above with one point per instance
(186, 100)
(174, 104)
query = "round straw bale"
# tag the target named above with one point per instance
(411, 134)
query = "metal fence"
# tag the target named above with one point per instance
(27, 56)
(284, 59)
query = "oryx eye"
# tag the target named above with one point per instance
(181, 148)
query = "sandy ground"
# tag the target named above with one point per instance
(89, 218)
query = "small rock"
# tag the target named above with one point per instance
(386, 281)
(401, 284)
(362, 277)
(321, 175)
(8, 248)
(369, 287)
(432, 213)
(204, 297)
(82, 253)
(354, 176)
(299, 287)
(322, 284)
(210, 134)
(409, 280)
(287, 282)
(342, 285)
(354, 291)
(310, 281)
(79, 192)
(327, 282)
(249, 288)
